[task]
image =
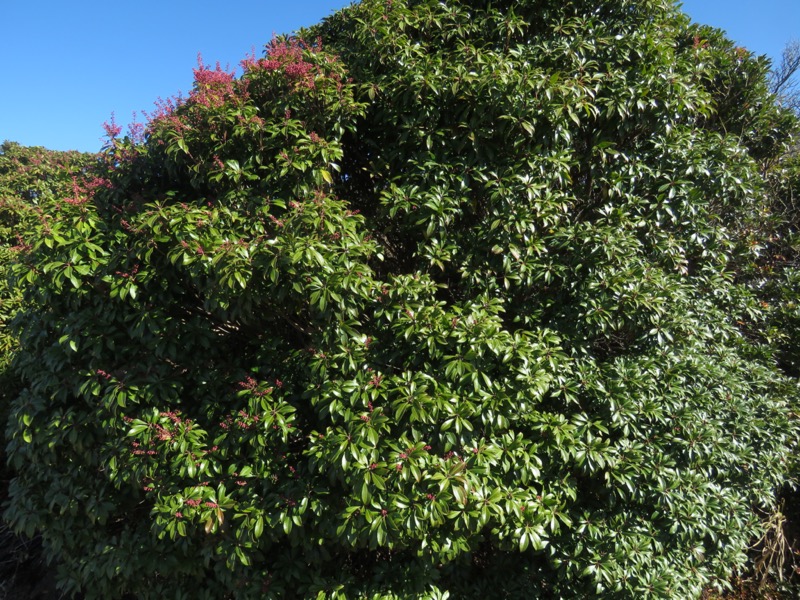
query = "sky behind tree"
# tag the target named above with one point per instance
(67, 66)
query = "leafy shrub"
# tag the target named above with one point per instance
(440, 303)
(32, 182)
(30, 178)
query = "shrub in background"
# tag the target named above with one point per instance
(33, 181)
(434, 299)
(30, 180)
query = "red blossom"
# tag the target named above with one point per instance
(212, 87)
(22, 245)
(287, 56)
(248, 383)
(136, 131)
(112, 129)
(79, 196)
(164, 114)
(172, 416)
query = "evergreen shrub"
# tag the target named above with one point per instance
(434, 300)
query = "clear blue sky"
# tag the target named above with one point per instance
(66, 66)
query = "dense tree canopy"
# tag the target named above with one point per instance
(434, 299)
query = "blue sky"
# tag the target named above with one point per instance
(66, 66)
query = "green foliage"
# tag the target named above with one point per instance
(30, 179)
(441, 304)
(739, 86)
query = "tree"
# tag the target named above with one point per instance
(433, 299)
(783, 78)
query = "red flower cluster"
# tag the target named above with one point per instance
(111, 128)
(212, 87)
(244, 422)
(252, 385)
(163, 113)
(287, 55)
(172, 416)
(139, 451)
